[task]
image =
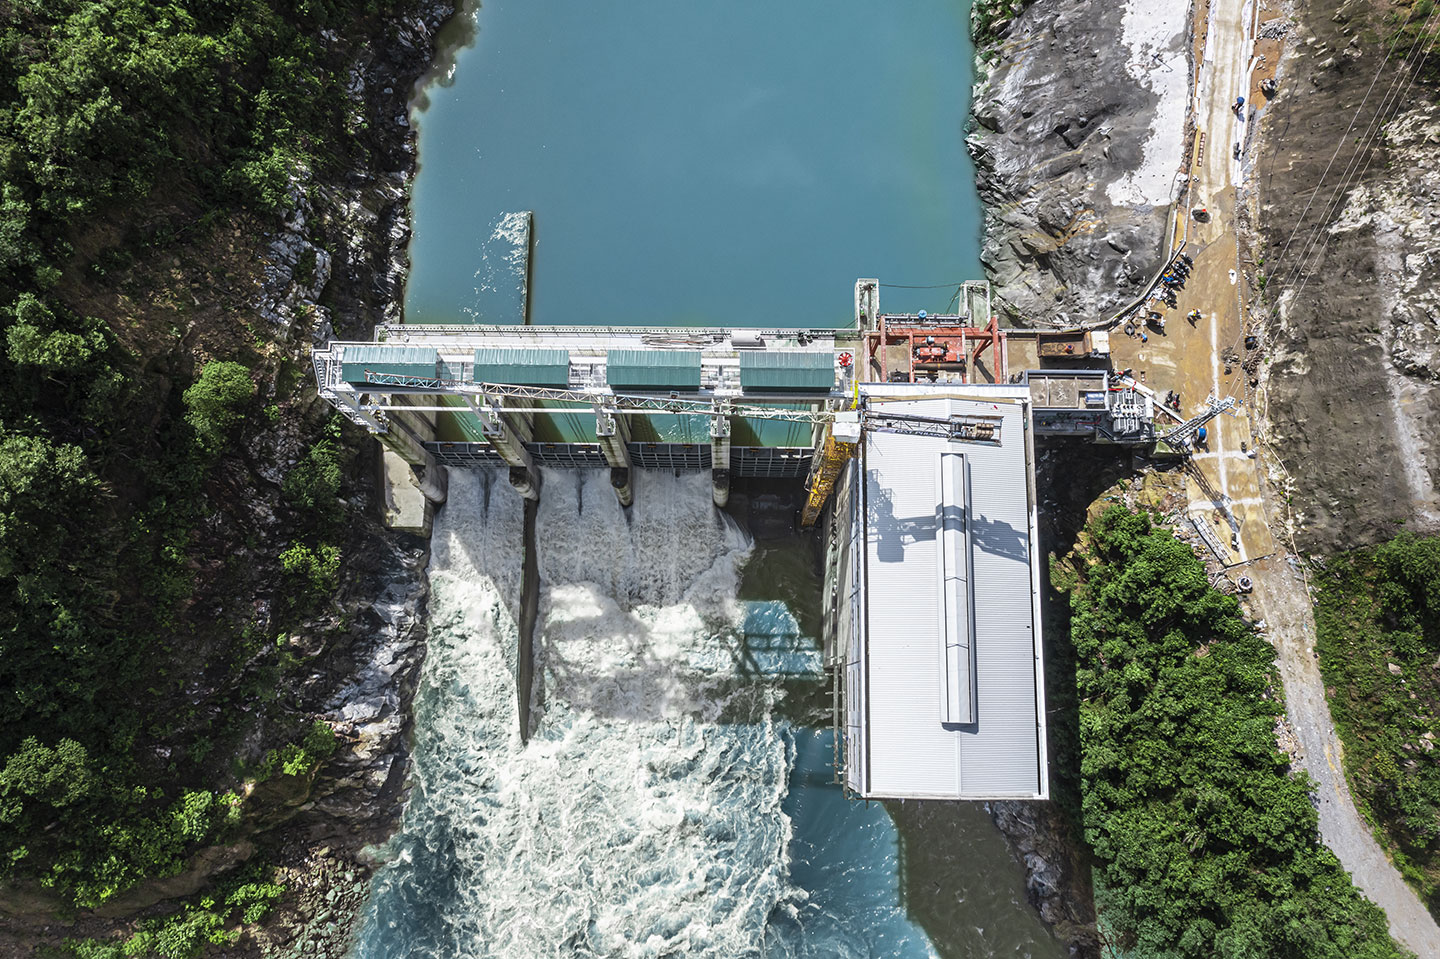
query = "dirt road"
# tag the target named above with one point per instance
(1228, 487)
(1283, 602)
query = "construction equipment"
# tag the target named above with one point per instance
(1180, 437)
(964, 429)
(843, 443)
(915, 348)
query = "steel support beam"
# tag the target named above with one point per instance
(349, 402)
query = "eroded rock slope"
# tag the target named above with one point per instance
(1078, 141)
(1351, 264)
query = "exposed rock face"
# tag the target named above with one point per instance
(1355, 342)
(1078, 138)
(377, 668)
(1054, 877)
(295, 274)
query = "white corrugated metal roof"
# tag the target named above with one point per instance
(923, 655)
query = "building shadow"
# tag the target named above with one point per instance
(891, 533)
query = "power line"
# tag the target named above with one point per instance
(1360, 177)
(1372, 130)
(1341, 141)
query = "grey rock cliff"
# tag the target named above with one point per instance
(1062, 115)
(1354, 331)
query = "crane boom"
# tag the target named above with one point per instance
(1180, 436)
(965, 429)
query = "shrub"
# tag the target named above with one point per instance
(302, 758)
(36, 340)
(313, 485)
(318, 568)
(216, 403)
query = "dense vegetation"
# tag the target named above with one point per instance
(244, 897)
(987, 17)
(1377, 620)
(1206, 845)
(133, 133)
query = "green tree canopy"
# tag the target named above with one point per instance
(1207, 844)
(216, 403)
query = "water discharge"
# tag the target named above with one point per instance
(724, 163)
(661, 807)
(647, 815)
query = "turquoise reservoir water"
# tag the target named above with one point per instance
(735, 163)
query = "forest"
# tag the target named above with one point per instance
(136, 137)
(1377, 621)
(1206, 842)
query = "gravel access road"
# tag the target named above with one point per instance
(1283, 601)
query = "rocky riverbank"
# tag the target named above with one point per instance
(1078, 136)
(1349, 272)
(338, 269)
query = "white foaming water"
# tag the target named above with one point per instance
(634, 824)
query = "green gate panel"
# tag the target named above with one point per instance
(528, 366)
(787, 372)
(383, 359)
(653, 370)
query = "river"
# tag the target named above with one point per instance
(735, 164)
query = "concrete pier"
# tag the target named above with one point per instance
(621, 483)
(525, 481)
(404, 440)
(508, 433)
(614, 436)
(720, 459)
(867, 303)
(529, 613)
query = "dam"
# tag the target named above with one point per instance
(913, 434)
(677, 793)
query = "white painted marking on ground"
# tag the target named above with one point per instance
(1216, 454)
(1204, 505)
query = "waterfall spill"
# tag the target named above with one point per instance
(645, 817)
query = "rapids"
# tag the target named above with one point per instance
(647, 816)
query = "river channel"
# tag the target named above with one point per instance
(708, 164)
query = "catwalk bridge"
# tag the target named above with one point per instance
(738, 402)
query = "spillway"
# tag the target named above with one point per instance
(651, 813)
(665, 805)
